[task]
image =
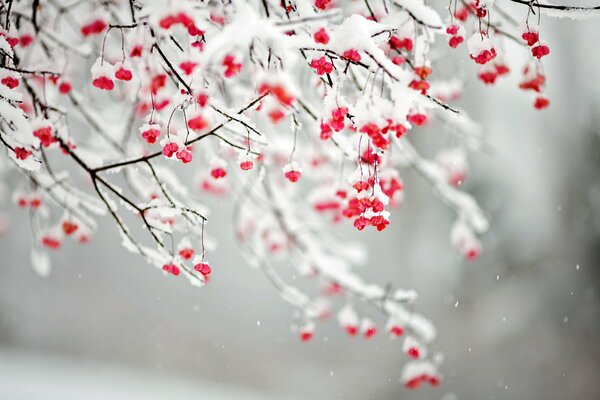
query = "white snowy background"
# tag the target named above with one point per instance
(520, 323)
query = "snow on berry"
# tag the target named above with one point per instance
(412, 347)
(464, 240)
(292, 172)
(102, 73)
(202, 267)
(307, 331)
(368, 328)
(167, 15)
(171, 144)
(245, 161)
(453, 162)
(415, 374)
(395, 327)
(185, 155)
(150, 132)
(185, 249)
(358, 82)
(481, 48)
(348, 320)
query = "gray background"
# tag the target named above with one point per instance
(105, 325)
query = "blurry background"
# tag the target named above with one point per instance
(520, 323)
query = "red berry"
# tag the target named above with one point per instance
(396, 330)
(69, 227)
(169, 149)
(351, 330)
(401, 44)
(488, 77)
(22, 153)
(10, 82)
(171, 269)
(452, 29)
(352, 55)
(185, 155)
(202, 99)
(322, 66)
(541, 103)
(321, 36)
(104, 83)
(484, 56)
(150, 135)
(455, 41)
(531, 38)
(197, 123)
(94, 28)
(398, 60)
(188, 67)
(218, 173)
(417, 119)
(413, 383)
(473, 253)
(123, 74)
(231, 67)
(64, 87)
(45, 135)
(203, 268)
(413, 352)
(51, 242)
(322, 4)
(25, 40)
(370, 332)
(246, 165)
(306, 336)
(293, 176)
(136, 51)
(540, 51)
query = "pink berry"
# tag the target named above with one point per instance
(104, 83)
(123, 74)
(246, 165)
(203, 268)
